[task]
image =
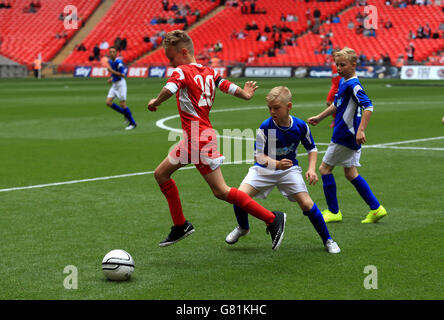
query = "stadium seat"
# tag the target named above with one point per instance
(131, 19)
(25, 35)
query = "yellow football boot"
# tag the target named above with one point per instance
(375, 215)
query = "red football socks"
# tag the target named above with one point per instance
(171, 193)
(244, 201)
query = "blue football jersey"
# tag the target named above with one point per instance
(117, 65)
(282, 142)
(350, 101)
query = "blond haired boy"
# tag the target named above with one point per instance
(276, 164)
(194, 86)
(353, 110)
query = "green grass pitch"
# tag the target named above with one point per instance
(59, 130)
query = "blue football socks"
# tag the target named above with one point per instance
(128, 115)
(241, 217)
(318, 222)
(117, 108)
(125, 111)
(366, 193)
(329, 186)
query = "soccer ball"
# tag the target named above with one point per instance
(118, 265)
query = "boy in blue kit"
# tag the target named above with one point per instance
(276, 165)
(353, 111)
(118, 88)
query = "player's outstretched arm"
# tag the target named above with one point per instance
(324, 114)
(247, 92)
(164, 95)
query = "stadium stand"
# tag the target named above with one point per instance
(27, 30)
(229, 26)
(392, 41)
(133, 20)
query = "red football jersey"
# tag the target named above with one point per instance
(195, 88)
(335, 78)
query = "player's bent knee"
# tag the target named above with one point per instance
(351, 173)
(221, 193)
(160, 176)
(325, 169)
(306, 205)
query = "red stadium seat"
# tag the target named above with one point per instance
(25, 35)
(130, 19)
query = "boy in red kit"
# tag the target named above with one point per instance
(335, 78)
(194, 86)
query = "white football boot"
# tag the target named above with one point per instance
(234, 235)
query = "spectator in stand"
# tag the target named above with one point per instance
(253, 6)
(372, 61)
(277, 39)
(263, 38)
(291, 17)
(271, 52)
(420, 32)
(251, 57)
(336, 19)
(81, 47)
(117, 43)
(104, 45)
(2, 5)
(351, 25)
(218, 46)
(174, 7)
(435, 34)
(427, 31)
(123, 44)
(387, 60)
(231, 3)
(317, 17)
(197, 14)
(241, 35)
(412, 35)
(362, 59)
(165, 5)
(96, 52)
(388, 24)
(410, 52)
(154, 20)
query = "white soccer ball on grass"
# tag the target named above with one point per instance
(118, 265)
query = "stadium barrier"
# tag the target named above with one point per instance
(13, 71)
(160, 71)
(422, 73)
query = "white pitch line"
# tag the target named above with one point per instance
(38, 186)
(409, 141)
(160, 124)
